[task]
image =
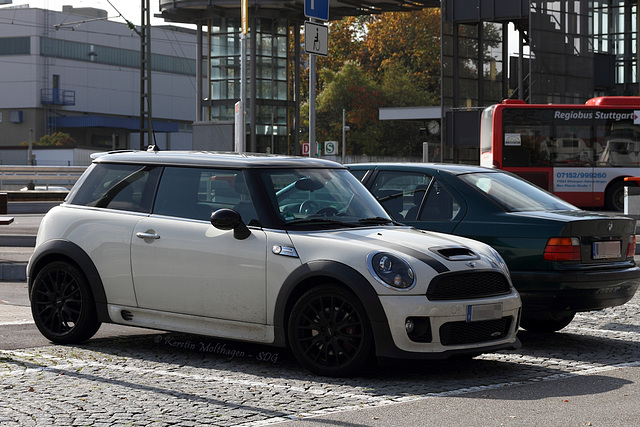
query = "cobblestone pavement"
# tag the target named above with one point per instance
(170, 379)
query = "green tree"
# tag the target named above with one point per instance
(352, 90)
(57, 139)
(389, 60)
(410, 39)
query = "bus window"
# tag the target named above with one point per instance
(619, 145)
(525, 132)
(571, 146)
(620, 152)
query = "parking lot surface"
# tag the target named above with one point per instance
(585, 375)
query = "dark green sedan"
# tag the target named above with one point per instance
(562, 259)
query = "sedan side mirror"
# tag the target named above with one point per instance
(228, 219)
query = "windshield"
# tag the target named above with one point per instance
(514, 194)
(330, 196)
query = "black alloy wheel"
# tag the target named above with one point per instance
(329, 332)
(62, 305)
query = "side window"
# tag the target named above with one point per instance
(195, 193)
(439, 205)
(117, 186)
(400, 193)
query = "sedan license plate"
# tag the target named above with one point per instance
(608, 249)
(484, 312)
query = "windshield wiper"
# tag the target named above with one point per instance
(378, 220)
(322, 221)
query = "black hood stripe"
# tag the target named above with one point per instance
(430, 261)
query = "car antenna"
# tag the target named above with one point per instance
(153, 148)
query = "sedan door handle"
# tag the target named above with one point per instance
(146, 235)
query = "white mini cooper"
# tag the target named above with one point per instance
(282, 251)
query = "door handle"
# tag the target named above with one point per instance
(147, 235)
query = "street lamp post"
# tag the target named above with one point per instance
(345, 128)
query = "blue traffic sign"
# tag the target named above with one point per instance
(318, 9)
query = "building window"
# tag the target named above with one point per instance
(114, 56)
(15, 46)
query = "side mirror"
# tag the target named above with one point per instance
(228, 219)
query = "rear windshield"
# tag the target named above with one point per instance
(514, 194)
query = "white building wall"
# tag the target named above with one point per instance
(100, 89)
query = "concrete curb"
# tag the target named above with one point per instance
(16, 240)
(13, 272)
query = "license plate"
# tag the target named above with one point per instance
(484, 312)
(608, 249)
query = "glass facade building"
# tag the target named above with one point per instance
(539, 51)
(268, 82)
(272, 108)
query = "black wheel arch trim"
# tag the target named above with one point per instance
(352, 279)
(63, 248)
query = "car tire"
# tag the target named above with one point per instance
(614, 197)
(62, 305)
(329, 332)
(549, 322)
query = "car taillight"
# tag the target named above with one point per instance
(631, 249)
(562, 249)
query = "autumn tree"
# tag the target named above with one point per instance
(410, 39)
(352, 90)
(388, 60)
(56, 139)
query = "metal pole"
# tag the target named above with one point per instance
(243, 92)
(296, 90)
(243, 75)
(199, 94)
(344, 136)
(312, 102)
(253, 109)
(30, 185)
(520, 66)
(145, 75)
(30, 153)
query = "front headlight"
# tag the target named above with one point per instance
(392, 270)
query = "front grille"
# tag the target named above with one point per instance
(467, 285)
(456, 333)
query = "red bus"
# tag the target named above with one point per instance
(581, 153)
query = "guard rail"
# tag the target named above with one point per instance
(12, 177)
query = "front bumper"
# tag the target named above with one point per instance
(450, 331)
(575, 290)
